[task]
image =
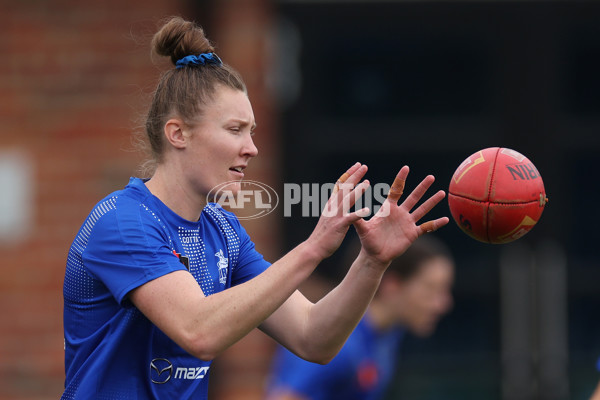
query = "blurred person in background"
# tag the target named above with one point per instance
(159, 282)
(596, 394)
(415, 292)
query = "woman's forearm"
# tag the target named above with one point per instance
(332, 319)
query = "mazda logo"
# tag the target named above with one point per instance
(161, 370)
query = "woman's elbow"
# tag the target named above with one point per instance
(322, 360)
(203, 354)
(321, 356)
(203, 347)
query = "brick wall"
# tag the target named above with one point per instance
(73, 83)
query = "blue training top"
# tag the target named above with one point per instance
(112, 351)
(362, 369)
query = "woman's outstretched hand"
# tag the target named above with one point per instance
(336, 217)
(394, 227)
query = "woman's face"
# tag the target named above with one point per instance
(221, 144)
(425, 297)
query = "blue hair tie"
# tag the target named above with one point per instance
(200, 59)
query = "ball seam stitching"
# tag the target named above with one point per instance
(502, 203)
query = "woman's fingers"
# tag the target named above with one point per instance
(351, 177)
(346, 200)
(428, 205)
(351, 198)
(356, 217)
(348, 190)
(398, 185)
(432, 226)
(345, 186)
(418, 192)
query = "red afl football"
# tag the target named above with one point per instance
(496, 195)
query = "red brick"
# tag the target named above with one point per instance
(75, 83)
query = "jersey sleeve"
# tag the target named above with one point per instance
(127, 248)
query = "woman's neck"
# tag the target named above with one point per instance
(171, 189)
(379, 317)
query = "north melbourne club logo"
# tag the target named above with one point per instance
(222, 264)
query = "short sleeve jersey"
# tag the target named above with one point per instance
(362, 369)
(112, 351)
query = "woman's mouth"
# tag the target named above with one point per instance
(237, 171)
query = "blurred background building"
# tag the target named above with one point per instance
(387, 83)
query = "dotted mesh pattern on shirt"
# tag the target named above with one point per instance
(79, 284)
(233, 240)
(194, 249)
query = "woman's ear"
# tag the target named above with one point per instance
(174, 133)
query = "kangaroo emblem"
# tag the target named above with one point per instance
(222, 264)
